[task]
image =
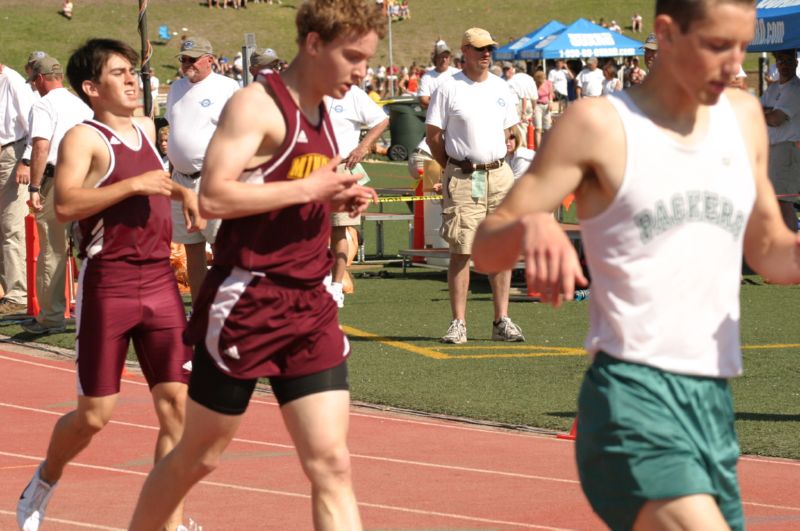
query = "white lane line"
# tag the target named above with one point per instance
(443, 424)
(352, 455)
(768, 506)
(304, 496)
(752, 459)
(51, 520)
(62, 369)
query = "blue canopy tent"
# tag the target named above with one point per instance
(510, 51)
(777, 27)
(581, 40)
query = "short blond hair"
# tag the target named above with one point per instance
(333, 18)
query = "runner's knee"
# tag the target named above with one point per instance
(328, 466)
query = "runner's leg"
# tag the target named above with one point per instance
(74, 431)
(169, 400)
(318, 424)
(698, 511)
(206, 435)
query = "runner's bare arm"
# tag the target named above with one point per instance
(82, 160)
(244, 139)
(524, 222)
(770, 248)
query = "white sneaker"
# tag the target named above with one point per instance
(337, 292)
(456, 333)
(33, 502)
(506, 330)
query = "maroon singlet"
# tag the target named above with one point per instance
(290, 244)
(139, 228)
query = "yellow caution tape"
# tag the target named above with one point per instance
(400, 199)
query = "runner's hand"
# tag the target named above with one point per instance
(354, 200)
(156, 182)
(324, 183)
(552, 267)
(191, 213)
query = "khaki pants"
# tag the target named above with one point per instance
(52, 266)
(13, 271)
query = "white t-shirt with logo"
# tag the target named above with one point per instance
(474, 117)
(349, 114)
(433, 79)
(55, 114)
(193, 111)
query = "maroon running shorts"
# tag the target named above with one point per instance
(254, 326)
(120, 302)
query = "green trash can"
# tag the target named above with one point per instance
(406, 126)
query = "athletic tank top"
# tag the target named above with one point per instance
(291, 244)
(139, 228)
(665, 256)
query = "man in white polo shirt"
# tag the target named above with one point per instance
(194, 104)
(348, 115)
(51, 117)
(469, 118)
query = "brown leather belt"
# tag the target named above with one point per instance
(468, 167)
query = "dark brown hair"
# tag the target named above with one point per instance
(87, 62)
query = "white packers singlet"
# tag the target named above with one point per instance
(665, 256)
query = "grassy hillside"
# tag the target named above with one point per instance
(35, 24)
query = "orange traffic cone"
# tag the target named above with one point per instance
(573, 431)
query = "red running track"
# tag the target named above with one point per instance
(408, 472)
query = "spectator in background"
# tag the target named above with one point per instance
(523, 85)
(635, 73)
(440, 72)
(650, 51)
(467, 120)
(611, 83)
(66, 9)
(560, 76)
(162, 142)
(51, 118)
(517, 157)
(16, 100)
(413, 79)
(781, 103)
(349, 114)
(589, 82)
(266, 58)
(542, 119)
(615, 27)
(636, 23)
(194, 104)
